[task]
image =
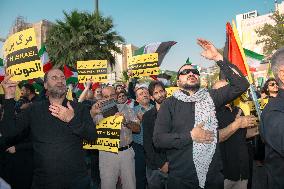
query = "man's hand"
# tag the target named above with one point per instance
(88, 84)
(246, 121)
(140, 116)
(25, 105)
(200, 135)
(209, 50)
(129, 73)
(61, 112)
(165, 168)
(11, 150)
(9, 86)
(96, 108)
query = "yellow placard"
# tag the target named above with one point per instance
(248, 106)
(95, 70)
(144, 65)
(26, 71)
(21, 56)
(20, 40)
(112, 122)
(171, 90)
(108, 131)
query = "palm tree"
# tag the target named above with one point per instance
(82, 36)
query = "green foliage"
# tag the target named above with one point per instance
(82, 36)
(272, 35)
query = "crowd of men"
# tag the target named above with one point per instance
(194, 139)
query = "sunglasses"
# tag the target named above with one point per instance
(272, 84)
(187, 71)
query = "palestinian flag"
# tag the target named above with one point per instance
(46, 63)
(2, 70)
(234, 52)
(71, 75)
(162, 48)
(253, 59)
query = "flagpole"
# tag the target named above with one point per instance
(250, 78)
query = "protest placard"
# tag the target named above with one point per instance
(144, 65)
(21, 56)
(95, 70)
(108, 131)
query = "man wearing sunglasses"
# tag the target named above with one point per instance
(186, 124)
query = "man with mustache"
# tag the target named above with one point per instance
(57, 127)
(186, 124)
(143, 98)
(156, 159)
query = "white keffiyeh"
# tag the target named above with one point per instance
(204, 113)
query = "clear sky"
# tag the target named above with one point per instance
(145, 21)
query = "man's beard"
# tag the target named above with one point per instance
(57, 92)
(160, 100)
(188, 87)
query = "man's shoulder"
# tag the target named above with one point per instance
(150, 112)
(274, 104)
(169, 101)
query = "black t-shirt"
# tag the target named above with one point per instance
(234, 151)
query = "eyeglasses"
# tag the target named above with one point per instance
(187, 71)
(272, 84)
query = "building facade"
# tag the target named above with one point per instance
(116, 73)
(248, 22)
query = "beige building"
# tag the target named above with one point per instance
(121, 62)
(247, 23)
(41, 29)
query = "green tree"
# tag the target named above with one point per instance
(82, 36)
(272, 35)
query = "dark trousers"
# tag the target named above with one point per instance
(156, 179)
(214, 182)
(18, 169)
(140, 166)
(92, 161)
(82, 182)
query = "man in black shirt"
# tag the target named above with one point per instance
(271, 128)
(186, 124)
(156, 159)
(57, 127)
(232, 138)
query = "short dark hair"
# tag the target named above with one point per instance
(29, 87)
(152, 86)
(178, 74)
(118, 85)
(123, 91)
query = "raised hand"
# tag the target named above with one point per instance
(61, 112)
(209, 50)
(88, 84)
(9, 86)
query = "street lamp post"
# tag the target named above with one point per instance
(97, 6)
